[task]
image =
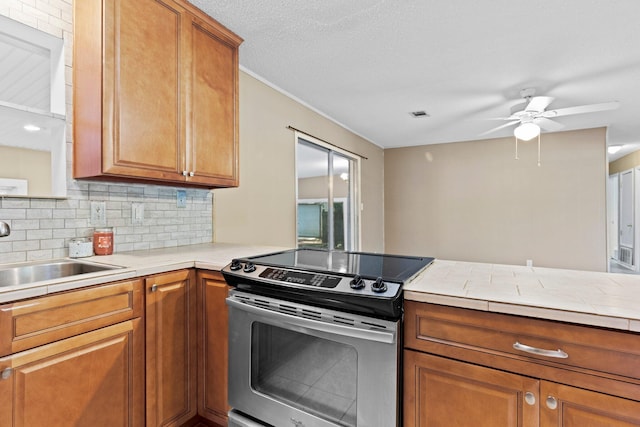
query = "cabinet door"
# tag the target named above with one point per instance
(213, 142)
(94, 379)
(212, 347)
(565, 406)
(144, 89)
(442, 392)
(171, 348)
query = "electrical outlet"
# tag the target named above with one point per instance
(98, 217)
(529, 263)
(137, 213)
(181, 199)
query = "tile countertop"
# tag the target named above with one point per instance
(598, 299)
(211, 256)
(591, 298)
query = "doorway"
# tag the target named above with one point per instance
(622, 227)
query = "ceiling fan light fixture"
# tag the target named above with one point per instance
(527, 131)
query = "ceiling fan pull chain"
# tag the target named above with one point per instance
(538, 150)
(517, 148)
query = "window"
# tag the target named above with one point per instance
(327, 196)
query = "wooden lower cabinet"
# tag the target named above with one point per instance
(90, 358)
(461, 368)
(93, 379)
(444, 392)
(566, 406)
(440, 392)
(171, 364)
(212, 347)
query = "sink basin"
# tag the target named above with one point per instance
(23, 273)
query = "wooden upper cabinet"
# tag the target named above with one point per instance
(214, 89)
(155, 94)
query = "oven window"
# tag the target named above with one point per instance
(312, 374)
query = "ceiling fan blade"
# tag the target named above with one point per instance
(500, 127)
(539, 103)
(503, 118)
(581, 109)
(547, 124)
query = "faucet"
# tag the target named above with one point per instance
(5, 230)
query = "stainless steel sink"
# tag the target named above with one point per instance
(23, 273)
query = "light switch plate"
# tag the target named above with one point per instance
(181, 199)
(137, 213)
(98, 216)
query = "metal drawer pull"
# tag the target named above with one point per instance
(154, 287)
(552, 402)
(541, 352)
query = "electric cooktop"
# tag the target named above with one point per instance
(360, 282)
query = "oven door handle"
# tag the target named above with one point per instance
(365, 334)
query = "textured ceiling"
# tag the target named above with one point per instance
(368, 63)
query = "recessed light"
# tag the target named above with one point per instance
(612, 149)
(31, 128)
(419, 114)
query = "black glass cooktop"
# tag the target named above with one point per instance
(395, 268)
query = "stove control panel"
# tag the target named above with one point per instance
(310, 279)
(300, 277)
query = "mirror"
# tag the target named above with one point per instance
(32, 112)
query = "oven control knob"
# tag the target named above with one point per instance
(249, 267)
(235, 265)
(357, 282)
(378, 285)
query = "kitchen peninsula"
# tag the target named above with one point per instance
(539, 346)
(462, 323)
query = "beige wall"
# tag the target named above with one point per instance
(473, 201)
(32, 165)
(627, 162)
(263, 209)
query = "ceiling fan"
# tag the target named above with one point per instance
(534, 116)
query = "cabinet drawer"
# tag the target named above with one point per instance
(30, 323)
(585, 348)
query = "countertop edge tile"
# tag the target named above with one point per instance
(163, 268)
(90, 281)
(460, 302)
(15, 295)
(561, 315)
(634, 325)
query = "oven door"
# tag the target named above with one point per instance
(298, 365)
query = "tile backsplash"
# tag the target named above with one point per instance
(42, 228)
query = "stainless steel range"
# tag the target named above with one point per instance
(314, 338)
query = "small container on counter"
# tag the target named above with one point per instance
(80, 247)
(103, 241)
